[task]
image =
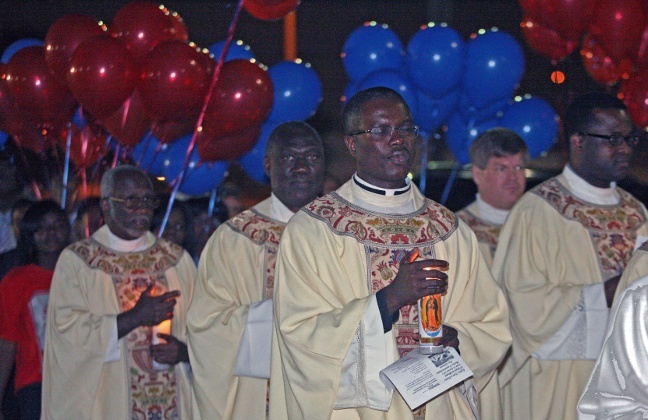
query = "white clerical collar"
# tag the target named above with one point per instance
(381, 191)
(388, 203)
(489, 213)
(124, 245)
(588, 192)
(278, 210)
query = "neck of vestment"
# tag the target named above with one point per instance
(612, 227)
(263, 230)
(588, 192)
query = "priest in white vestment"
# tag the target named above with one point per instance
(618, 387)
(230, 320)
(499, 158)
(559, 259)
(110, 352)
(345, 295)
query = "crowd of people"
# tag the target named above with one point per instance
(290, 309)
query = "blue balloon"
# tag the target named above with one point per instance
(237, 49)
(535, 121)
(351, 89)
(462, 133)
(17, 46)
(3, 139)
(477, 115)
(370, 48)
(432, 113)
(394, 80)
(494, 67)
(252, 161)
(297, 91)
(200, 177)
(435, 60)
(149, 154)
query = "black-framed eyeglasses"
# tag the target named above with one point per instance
(132, 203)
(384, 131)
(615, 140)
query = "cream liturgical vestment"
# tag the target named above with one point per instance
(235, 282)
(335, 254)
(486, 221)
(88, 372)
(618, 387)
(637, 267)
(560, 243)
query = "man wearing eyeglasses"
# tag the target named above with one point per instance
(346, 291)
(230, 320)
(559, 258)
(110, 352)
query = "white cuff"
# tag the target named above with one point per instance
(112, 349)
(255, 348)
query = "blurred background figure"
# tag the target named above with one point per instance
(10, 192)
(231, 197)
(177, 229)
(88, 219)
(9, 259)
(202, 223)
(24, 292)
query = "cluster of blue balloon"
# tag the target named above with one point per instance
(444, 79)
(297, 94)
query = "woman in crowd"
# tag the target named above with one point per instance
(24, 292)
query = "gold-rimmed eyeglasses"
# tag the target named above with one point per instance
(132, 203)
(386, 131)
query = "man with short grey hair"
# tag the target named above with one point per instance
(116, 332)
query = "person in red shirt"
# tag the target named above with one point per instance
(24, 292)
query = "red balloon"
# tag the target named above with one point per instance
(642, 53)
(599, 65)
(242, 97)
(229, 147)
(142, 25)
(635, 96)
(129, 123)
(174, 79)
(569, 18)
(40, 95)
(268, 9)
(86, 146)
(102, 74)
(64, 36)
(546, 41)
(179, 27)
(10, 118)
(173, 129)
(618, 25)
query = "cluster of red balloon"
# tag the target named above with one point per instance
(614, 47)
(444, 79)
(139, 80)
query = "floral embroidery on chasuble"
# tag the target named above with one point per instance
(486, 233)
(386, 239)
(612, 228)
(263, 231)
(152, 392)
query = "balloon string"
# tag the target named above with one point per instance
(178, 181)
(448, 187)
(34, 184)
(424, 160)
(66, 166)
